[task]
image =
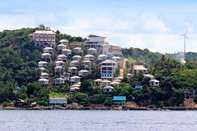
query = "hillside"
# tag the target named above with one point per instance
(20, 74)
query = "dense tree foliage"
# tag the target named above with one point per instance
(18, 68)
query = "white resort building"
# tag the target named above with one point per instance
(111, 49)
(108, 69)
(92, 51)
(65, 42)
(43, 38)
(95, 41)
(66, 52)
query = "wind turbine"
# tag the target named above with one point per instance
(185, 37)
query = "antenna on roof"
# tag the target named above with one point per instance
(185, 37)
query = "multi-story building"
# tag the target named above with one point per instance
(111, 49)
(108, 69)
(139, 68)
(43, 38)
(95, 41)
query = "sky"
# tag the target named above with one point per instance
(153, 24)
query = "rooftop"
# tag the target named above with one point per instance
(118, 98)
(64, 40)
(48, 48)
(42, 62)
(75, 77)
(43, 80)
(66, 50)
(108, 87)
(92, 36)
(44, 32)
(108, 61)
(83, 71)
(139, 67)
(92, 49)
(98, 80)
(154, 80)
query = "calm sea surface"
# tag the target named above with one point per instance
(58, 120)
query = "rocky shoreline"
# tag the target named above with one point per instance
(96, 108)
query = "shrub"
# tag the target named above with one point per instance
(5, 104)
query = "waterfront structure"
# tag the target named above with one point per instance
(57, 101)
(119, 100)
(95, 41)
(43, 38)
(108, 69)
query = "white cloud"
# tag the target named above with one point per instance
(163, 43)
(20, 21)
(190, 28)
(152, 21)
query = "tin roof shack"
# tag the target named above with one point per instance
(187, 93)
(119, 100)
(58, 101)
(19, 103)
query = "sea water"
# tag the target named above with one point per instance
(75, 120)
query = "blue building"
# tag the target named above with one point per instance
(119, 100)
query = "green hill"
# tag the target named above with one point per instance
(18, 68)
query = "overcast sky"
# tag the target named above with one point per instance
(153, 24)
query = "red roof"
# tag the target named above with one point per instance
(90, 36)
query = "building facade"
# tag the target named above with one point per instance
(108, 69)
(95, 41)
(44, 38)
